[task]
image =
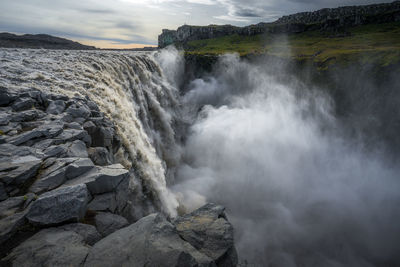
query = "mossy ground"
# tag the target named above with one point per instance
(375, 44)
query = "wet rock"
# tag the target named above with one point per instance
(102, 179)
(56, 107)
(88, 232)
(103, 202)
(208, 230)
(65, 204)
(3, 192)
(152, 241)
(100, 156)
(108, 223)
(49, 247)
(23, 104)
(101, 136)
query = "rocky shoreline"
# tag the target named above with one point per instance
(65, 200)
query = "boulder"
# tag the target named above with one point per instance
(102, 179)
(100, 156)
(56, 107)
(151, 241)
(66, 204)
(23, 103)
(6, 97)
(49, 247)
(28, 115)
(108, 223)
(9, 226)
(208, 230)
(3, 192)
(14, 205)
(88, 232)
(103, 202)
(4, 119)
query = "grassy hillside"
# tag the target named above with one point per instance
(376, 44)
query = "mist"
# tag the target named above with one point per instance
(297, 190)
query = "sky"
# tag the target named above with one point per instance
(137, 23)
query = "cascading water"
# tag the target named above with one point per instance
(129, 88)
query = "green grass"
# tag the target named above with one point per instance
(375, 44)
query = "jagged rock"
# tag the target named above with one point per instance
(88, 232)
(55, 151)
(151, 241)
(56, 107)
(28, 115)
(74, 125)
(103, 202)
(101, 136)
(49, 247)
(100, 156)
(3, 192)
(70, 135)
(208, 230)
(79, 111)
(15, 174)
(24, 137)
(23, 103)
(77, 149)
(60, 172)
(4, 119)
(9, 151)
(9, 226)
(5, 97)
(14, 205)
(44, 144)
(108, 223)
(102, 179)
(65, 204)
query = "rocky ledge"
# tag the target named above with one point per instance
(65, 200)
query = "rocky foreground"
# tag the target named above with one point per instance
(65, 201)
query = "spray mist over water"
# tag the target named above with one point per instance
(297, 192)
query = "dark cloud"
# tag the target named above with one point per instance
(97, 11)
(244, 12)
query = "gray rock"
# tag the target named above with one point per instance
(5, 97)
(66, 204)
(23, 104)
(103, 202)
(28, 115)
(70, 135)
(10, 225)
(56, 107)
(151, 241)
(77, 149)
(49, 247)
(88, 232)
(74, 125)
(79, 167)
(19, 172)
(4, 119)
(78, 111)
(14, 205)
(49, 182)
(101, 136)
(44, 144)
(25, 137)
(208, 230)
(9, 152)
(102, 179)
(100, 156)
(3, 192)
(108, 223)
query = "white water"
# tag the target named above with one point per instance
(129, 87)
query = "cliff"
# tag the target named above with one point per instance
(10, 40)
(331, 20)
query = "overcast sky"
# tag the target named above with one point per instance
(124, 23)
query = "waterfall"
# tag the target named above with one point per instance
(129, 87)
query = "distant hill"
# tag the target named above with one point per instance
(332, 21)
(45, 41)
